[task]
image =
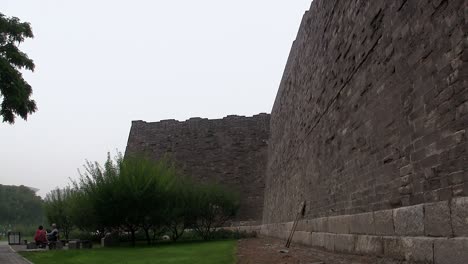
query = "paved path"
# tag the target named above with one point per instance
(7, 256)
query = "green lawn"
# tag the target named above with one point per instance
(219, 252)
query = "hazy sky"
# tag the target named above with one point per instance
(102, 63)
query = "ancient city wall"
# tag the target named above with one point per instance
(369, 127)
(231, 151)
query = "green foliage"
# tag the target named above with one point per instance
(126, 194)
(58, 209)
(218, 252)
(137, 197)
(213, 206)
(99, 190)
(27, 230)
(218, 234)
(82, 213)
(180, 212)
(14, 90)
(146, 184)
(20, 208)
(85, 235)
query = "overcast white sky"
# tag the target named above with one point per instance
(102, 63)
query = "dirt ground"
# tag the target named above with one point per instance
(267, 250)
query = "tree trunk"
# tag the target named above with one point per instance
(132, 231)
(148, 238)
(175, 234)
(66, 233)
(154, 234)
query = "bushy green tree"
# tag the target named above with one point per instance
(98, 184)
(58, 209)
(82, 212)
(213, 205)
(19, 205)
(15, 92)
(146, 184)
(136, 194)
(128, 194)
(179, 211)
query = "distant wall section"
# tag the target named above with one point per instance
(231, 151)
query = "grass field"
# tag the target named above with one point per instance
(218, 252)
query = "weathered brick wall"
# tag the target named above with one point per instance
(231, 151)
(372, 110)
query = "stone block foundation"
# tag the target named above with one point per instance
(411, 233)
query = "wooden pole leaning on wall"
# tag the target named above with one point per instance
(300, 214)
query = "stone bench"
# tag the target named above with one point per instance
(31, 245)
(86, 244)
(80, 244)
(55, 245)
(74, 244)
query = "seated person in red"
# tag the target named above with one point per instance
(41, 236)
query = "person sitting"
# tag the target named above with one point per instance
(53, 236)
(41, 237)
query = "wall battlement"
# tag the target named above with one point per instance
(208, 121)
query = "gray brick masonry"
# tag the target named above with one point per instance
(409, 221)
(451, 251)
(437, 219)
(460, 216)
(372, 113)
(383, 221)
(369, 127)
(432, 243)
(231, 151)
(369, 245)
(362, 223)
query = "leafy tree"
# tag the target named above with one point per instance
(100, 185)
(58, 209)
(180, 211)
(19, 205)
(213, 206)
(128, 194)
(154, 180)
(144, 183)
(139, 195)
(82, 213)
(15, 92)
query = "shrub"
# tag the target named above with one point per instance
(213, 205)
(57, 209)
(139, 198)
(127, 194)
(85, 235)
